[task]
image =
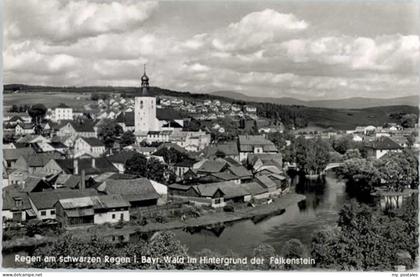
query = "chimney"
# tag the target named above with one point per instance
(93, 163)
(82, 181)
(75, 167)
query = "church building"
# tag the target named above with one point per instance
(145, 109)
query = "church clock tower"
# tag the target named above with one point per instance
(145, 119)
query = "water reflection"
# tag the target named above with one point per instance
(318, 211)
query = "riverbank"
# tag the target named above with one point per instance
(211, 219)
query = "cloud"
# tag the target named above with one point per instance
(58, 21)
(265, 52)
(255, 29)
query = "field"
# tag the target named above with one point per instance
(49, 99)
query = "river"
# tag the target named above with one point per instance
(319, 211)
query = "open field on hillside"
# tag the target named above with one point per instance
(49, 99)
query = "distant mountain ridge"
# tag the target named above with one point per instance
(347, 103)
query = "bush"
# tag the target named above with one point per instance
(229, 208)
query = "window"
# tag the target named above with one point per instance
(217, 201)
(113, 216)
(141, 104)
(52, 212)
(43, 213)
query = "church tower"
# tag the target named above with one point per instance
(145, 119)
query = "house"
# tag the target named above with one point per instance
(34, 184)
(75, 211)
(256, 190)
(222, 192)
(401, 140)
(254, 144)
(88, 145)
(111, 208)
(266, 163)
(31, 138)
(126, 121)
(34, 162)
(138, 192)
(180, 168)
(381, 146)
(16, 206)
(43, 203)
(91, 166)
(50, 147)
(63, 112)
(10, 156)
(24, 129)
(357, 138)
(223, 150)
(82, 128)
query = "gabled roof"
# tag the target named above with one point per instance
(47, 199)
(10, 197)
(229, 149)
(212, 166)
(384, 143)
(247, 142)
(95, 142)
(254, 188)
(76, 202)
(240, 171)
(25, 125)
(81, 126)
(224, 176)
(14, 154)
(132, 189)
(31, 183)
(265, 181)
(109, 201)
(229, 189)
(40, 159)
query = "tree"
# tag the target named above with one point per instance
(127, 138)
(278, 139)
(399, 170)
(366, 239)
(171, 155)
(293, 249)
(109, 132)
(409, 120)
(360, 175)
(37, 112)
(136, 165)
(352, 154)
(312, 155)
(150, 168)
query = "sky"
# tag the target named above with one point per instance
(306, 50)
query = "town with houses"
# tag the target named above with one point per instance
(68, 174)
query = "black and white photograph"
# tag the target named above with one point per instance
(210, 136)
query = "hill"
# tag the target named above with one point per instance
(290, 114)
(347, 103)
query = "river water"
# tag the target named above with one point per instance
(318, 211)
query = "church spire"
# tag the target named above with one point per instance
(144, 83)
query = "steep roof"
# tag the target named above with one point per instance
(40, 159)
(81, 126)
(212, 166)
(229, 149)
(247, 142)
(265, 181)
(240, 171)
(10, 198)
(14, 154)
(384, 143)
(47, 199)
(95, 142)
(254, 188)
(229, 189)
(132, 189)
(109, 201)
(32, 182)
